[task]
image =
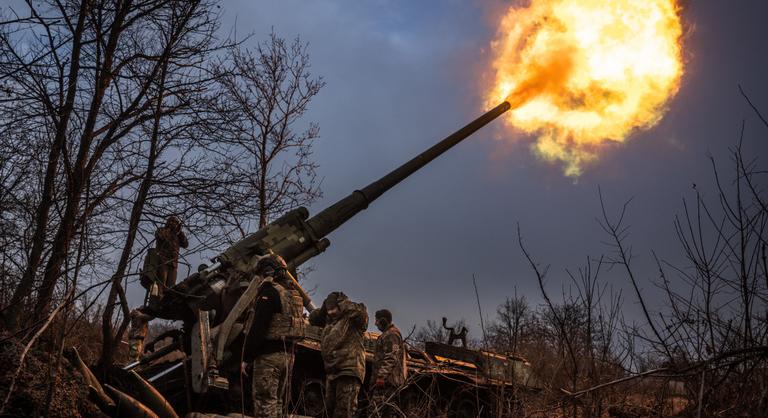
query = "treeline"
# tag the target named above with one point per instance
(116, 114)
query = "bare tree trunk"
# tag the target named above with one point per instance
(81, 169)
(109, 341)
(43, 209)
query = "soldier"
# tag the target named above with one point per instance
(137, 333)
(341, 345)
(168, 240)
(274, 323)
(389, 366)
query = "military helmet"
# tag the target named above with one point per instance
(172, 221)
(333, 299)
(273, 262)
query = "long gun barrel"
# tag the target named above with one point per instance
(332, 217)
(296, 237)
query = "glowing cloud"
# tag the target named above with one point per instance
(582, 73)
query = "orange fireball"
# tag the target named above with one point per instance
(581, 73)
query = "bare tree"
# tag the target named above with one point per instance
(707, 336)
(512, 317)
(115, 111)
(29, 73)
(77, 67)
(187, 32)
(266, 93)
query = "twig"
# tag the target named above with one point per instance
(757, 351)
(701, 393)
(410, 334)
(66, 302)
(480, 310)
(753, 106)
(615, 382)
(617, 232)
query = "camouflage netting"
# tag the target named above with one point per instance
(31, 395)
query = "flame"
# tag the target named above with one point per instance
(583, 73)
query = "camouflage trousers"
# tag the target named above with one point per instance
(271, 378)
(137, 334)
(383, 402)
(341, 396)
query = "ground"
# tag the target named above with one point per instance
(34, 386)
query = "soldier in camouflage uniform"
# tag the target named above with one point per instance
(274, 324)
(343, 352)
(168, 240)
(389, 366)
(137, 333)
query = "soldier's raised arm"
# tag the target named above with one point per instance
(183, 242)
(318, 317)
(356, 312)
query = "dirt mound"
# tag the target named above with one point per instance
(41, 389)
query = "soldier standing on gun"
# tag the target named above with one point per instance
(341, 345)
(274, 323)
(389, 366)
(168, 240)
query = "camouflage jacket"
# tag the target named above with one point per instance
(389, 358)
(168, 242)
(341, 342)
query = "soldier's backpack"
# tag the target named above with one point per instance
(150, 271)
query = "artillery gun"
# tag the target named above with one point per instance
(185, 371)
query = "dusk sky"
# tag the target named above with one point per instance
(403, 74)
